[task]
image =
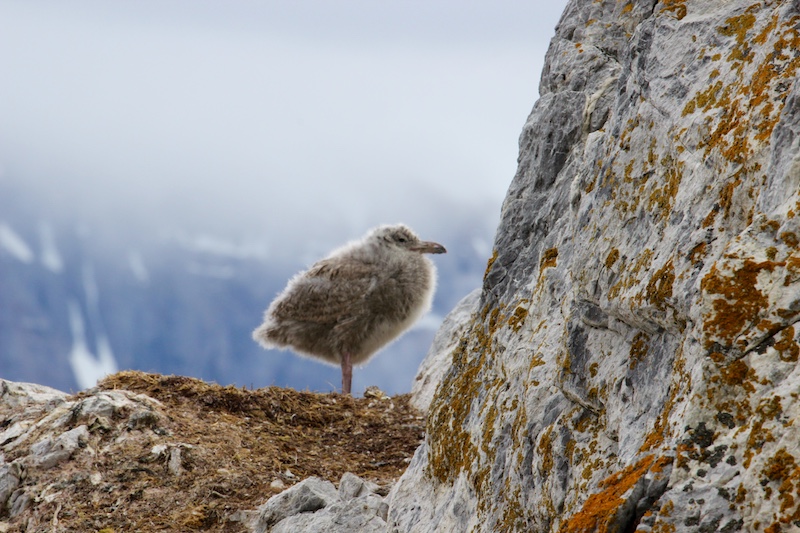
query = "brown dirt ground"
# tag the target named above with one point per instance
(239, 441)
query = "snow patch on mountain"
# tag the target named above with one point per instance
(86, 366)
(15, 245)
(50, 258)
(209, 244)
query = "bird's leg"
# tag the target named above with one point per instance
(347, 373)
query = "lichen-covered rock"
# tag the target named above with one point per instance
(437, 361)
(633, 365)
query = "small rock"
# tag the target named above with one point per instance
(48, 452)
(351, 486)
(18, 502)
(308, 496)
(374, 392)
(175, 466)
(277, 484)
(11, 474)
(144, 418)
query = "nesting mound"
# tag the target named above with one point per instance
(232, 445)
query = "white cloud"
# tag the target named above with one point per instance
(266, 113)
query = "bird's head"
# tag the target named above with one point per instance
(400, 236)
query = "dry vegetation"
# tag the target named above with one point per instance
(233, 444)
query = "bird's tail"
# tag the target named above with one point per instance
(261, 335)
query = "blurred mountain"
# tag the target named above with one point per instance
(81, 297)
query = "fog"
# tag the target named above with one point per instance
(280, 117)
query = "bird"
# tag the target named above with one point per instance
(355, 301)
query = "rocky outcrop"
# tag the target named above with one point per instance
(145, 452)
(633, 363)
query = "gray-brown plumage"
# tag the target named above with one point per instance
(352, 303)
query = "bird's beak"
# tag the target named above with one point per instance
(428, 247)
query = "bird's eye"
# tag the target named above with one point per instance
(402, 239)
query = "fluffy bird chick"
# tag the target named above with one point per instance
(351, 304)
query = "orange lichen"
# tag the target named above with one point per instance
(790, 239)
(738, 27)
(638, 349)
(782, 469)
(786, 345)
(600, 509)
(741, 301)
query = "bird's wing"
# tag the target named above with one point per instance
(330, 291)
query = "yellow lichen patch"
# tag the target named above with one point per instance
(490, 263)
(740, 304)
(738, 27)
(792, 270)
(726, 195)
(452, 449)
(638, 349)
(612, 257)
(676, 7)
(709, 220)
(600, 509)
(517, 318)
(545, 451)
(537, 360)
(790, 239)
(548, 260)
(659, 288)
(771, 253)
(662, 197)
(697, 253)
(704, 100)
(630, 275)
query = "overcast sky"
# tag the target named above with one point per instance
(269, 114)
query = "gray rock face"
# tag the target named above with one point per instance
(633, 364)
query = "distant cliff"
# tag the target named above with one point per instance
(632, 364)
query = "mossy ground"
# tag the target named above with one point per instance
(235, 442)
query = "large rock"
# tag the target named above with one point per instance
(633, 365)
